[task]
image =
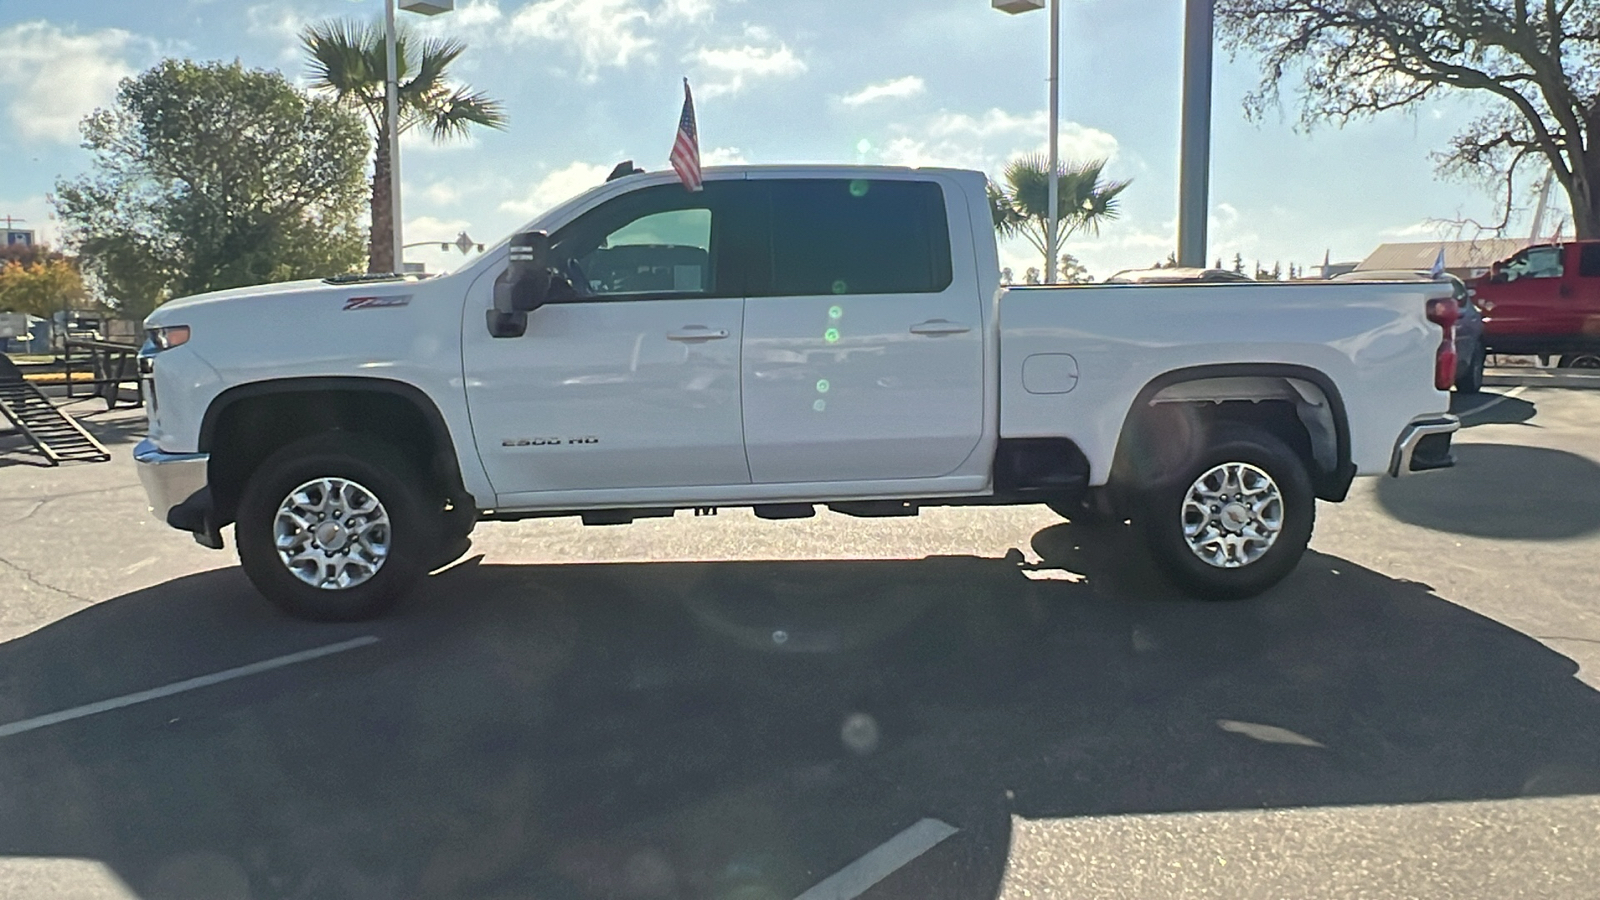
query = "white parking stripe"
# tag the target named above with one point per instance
(854, 880)
(1514, 392)
(178, 687)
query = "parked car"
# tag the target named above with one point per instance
(786, 337)
(1179, 275)
(1544, 301)
(1471, 354)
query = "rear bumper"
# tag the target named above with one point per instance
(175, 485)
(1424, 445)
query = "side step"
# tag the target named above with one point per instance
(56, 435)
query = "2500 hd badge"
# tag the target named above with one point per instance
(547, 441)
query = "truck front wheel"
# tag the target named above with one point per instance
(336, 527)
(1235, 521)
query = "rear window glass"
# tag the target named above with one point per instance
(1589, 261)
(836, 236)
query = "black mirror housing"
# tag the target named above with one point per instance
(527, 275)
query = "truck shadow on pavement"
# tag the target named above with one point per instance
(743, 729)
(1501, 491)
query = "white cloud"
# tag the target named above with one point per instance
(557, 186)
(50, 78)
(897, 89)
(729, 67)
(722, 156)
(987, 141)
(605, 33)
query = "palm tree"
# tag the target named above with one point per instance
(1021, 206)
(349, 60)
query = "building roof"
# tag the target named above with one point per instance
(1479, 254)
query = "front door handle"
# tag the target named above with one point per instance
(696, 334)
(940, 326)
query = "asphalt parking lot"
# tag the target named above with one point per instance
(976, 703)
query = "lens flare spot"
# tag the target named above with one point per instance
(859, 187)
(820, 405)
(835, 312)
(860, 733)
(823, 385)
(840, 287)
(831, 335)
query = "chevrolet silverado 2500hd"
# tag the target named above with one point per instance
(784, 338)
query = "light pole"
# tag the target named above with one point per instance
(1194, 168)
(392, 104)
(1015, 7)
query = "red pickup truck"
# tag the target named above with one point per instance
(1544, 301)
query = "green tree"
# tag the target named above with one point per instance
(1021, 205)
(1535, 65)
(349, 60)
(1073, 271)
(41, 287)
(209, 176)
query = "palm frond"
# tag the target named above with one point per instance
(451, 115)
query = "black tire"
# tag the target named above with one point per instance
(1586, 360)
(412, 540)
(1471, 382)
(1161, 516)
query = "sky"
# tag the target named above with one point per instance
(588, 83)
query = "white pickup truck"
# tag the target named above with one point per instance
(787, 337)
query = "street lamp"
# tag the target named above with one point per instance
(1194, 167)
(1015, 7)
(392, 101)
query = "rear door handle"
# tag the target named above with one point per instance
(940, 326)
(696, 334)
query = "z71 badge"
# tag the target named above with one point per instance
(377, 302)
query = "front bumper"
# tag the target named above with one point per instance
(1424, 445)
(175, 484)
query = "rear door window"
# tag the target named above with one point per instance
(861, 236)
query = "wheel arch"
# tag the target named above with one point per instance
(1307, 411)
(332, 403)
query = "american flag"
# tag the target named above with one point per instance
(686, 150)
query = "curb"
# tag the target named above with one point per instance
(1540, 378)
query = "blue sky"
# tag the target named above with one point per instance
(935, 82)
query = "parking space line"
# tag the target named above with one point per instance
(178, 687)
(853, 880)
(1508, 395)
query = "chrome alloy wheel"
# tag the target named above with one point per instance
(332, 533)
(1232, 515)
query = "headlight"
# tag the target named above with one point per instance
(169, 337)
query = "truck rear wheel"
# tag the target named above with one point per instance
(1580, 361)
(1235, 521)
(336, 527)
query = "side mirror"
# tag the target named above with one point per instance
(529, 271)
(525, 286)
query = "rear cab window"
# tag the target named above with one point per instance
(855, 237)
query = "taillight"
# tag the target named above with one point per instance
(1445, 314)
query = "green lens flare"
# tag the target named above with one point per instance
(831, 335)
(820, 405)
(839, 287)
(859, 187)
(835, 312)
(822, 386)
